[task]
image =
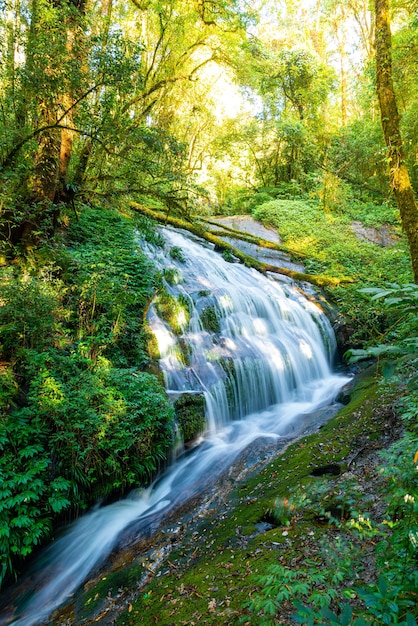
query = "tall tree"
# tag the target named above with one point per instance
(399, 176)
(59, 26)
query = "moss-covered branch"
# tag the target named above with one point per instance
(197, 229)
(226, 231)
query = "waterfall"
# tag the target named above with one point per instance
(258, 350)
(249, 342)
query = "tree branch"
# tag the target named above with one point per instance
(8, 159)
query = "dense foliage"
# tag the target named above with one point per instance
(80, 419)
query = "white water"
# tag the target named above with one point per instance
(277, 347)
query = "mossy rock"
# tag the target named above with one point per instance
(172, 276)
(190, 415)
(210, 319)
(185, 351)
(152, 344)
(174, 311)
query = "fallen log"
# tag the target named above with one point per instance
(197, 229)
(227, 231)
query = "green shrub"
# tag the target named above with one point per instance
(84, 433)
(30, 313)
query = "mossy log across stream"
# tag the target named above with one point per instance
(198, 229)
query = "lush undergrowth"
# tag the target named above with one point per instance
(80, 419)
(331, 246)
(329, 243)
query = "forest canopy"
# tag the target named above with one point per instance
(189, 104)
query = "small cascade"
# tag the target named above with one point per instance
(260, 353)
(246, 342)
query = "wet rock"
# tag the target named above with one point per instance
(263, 526)
(344, 395)
(327, 470)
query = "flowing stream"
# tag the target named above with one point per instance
(258, 350)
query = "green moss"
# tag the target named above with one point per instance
(174, 311)
(228, 256)
(90, 602)
(184, 351)
(190, 415)
(210, 319)
(152, 345)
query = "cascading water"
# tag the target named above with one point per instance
(258, 351)
(249, 344)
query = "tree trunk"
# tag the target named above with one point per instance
(56, 144)
(399, 177)
(45, 174)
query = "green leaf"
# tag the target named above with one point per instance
(4, 529)
(383, 585)
(330, 615)
(23, 521)
(389, 369)
(346, 614)
(58, 503)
